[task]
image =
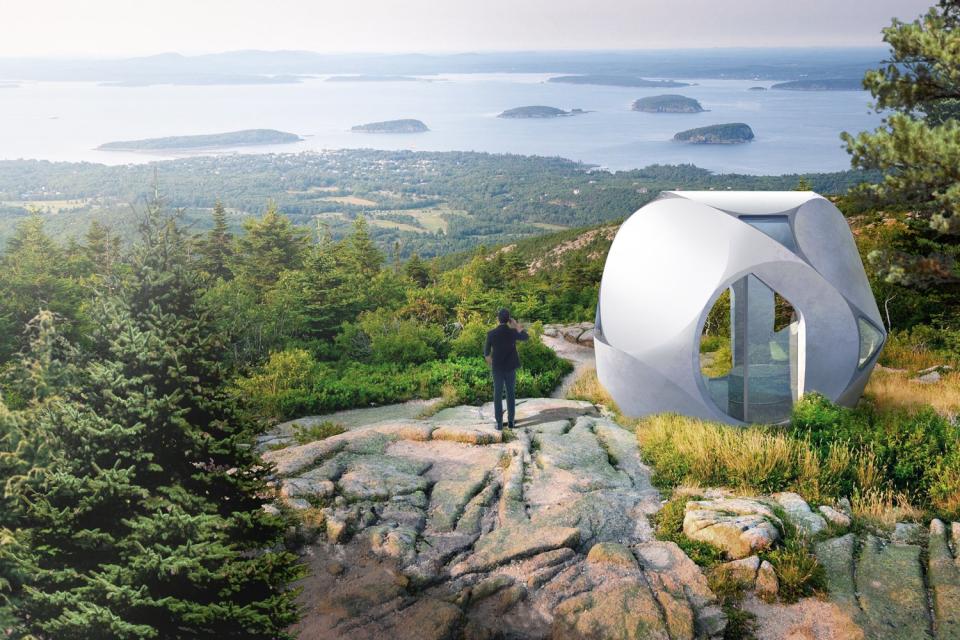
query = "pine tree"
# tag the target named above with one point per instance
(368, 258)
(102, 247)
(147, 521)
(803, 184)
(918, 146)
(416, 270)
(35, 274)
(216, 248)
(268, 247)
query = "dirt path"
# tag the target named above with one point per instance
(580, 356)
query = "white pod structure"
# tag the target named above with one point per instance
(801, 313)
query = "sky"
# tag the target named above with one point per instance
(116, 28)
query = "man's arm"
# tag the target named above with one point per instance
(486, 350)
(521, 332)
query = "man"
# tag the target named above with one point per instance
(500, 351)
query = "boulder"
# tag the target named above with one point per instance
(766, 585)
(739, 526)
(743, 570)
(799, 513)
(834, 517)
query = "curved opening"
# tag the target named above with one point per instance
(751, 352)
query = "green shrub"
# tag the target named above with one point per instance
(292, 384)
(915, 451)
(798, 572)
(468, 343)
(318, 431)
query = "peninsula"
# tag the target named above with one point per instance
(539, 111)
(667, 103)
(407, 125)
(834, 84)
(729, 133)
(617, 81)
(244, 138)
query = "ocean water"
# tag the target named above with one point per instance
(795, 131)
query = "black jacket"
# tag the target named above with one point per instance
(502, 343)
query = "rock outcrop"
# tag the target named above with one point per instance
(438, 528)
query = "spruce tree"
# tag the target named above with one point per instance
(268, 247)
(416, 269)
(147, 522)
(368, 258)
(216, 248)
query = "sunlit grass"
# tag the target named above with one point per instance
(889, 390)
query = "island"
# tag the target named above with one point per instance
(729, 133)
(201, 80)
(617, 81)
(245, 138)
(375, 78)
(830, 84)
(407, 125)
(538, 111)
(757, 89)
(667, 103)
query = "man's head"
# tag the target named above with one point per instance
(503, 316)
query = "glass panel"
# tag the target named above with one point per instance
(752, 375)
(716, 360)
(777, 227)
(870, 340)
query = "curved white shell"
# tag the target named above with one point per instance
(671, 260)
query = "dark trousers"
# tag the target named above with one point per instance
(501, 380)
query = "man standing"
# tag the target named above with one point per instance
(500, 351)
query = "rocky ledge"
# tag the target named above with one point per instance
(440, 527)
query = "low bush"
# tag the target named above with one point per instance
(915, 451)
(292, 384)
(318, 431)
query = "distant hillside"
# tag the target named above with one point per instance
(617, 81)
(729, 133)
(407, 125)
(538, 111)
(829, 84)
(667, 103)
(245, 138)
(431, 203)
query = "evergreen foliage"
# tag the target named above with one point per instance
(146, 521)
(918, 146)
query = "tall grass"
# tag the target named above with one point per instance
(890, 390)
(756, 459)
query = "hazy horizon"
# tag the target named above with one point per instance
(120, 29)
